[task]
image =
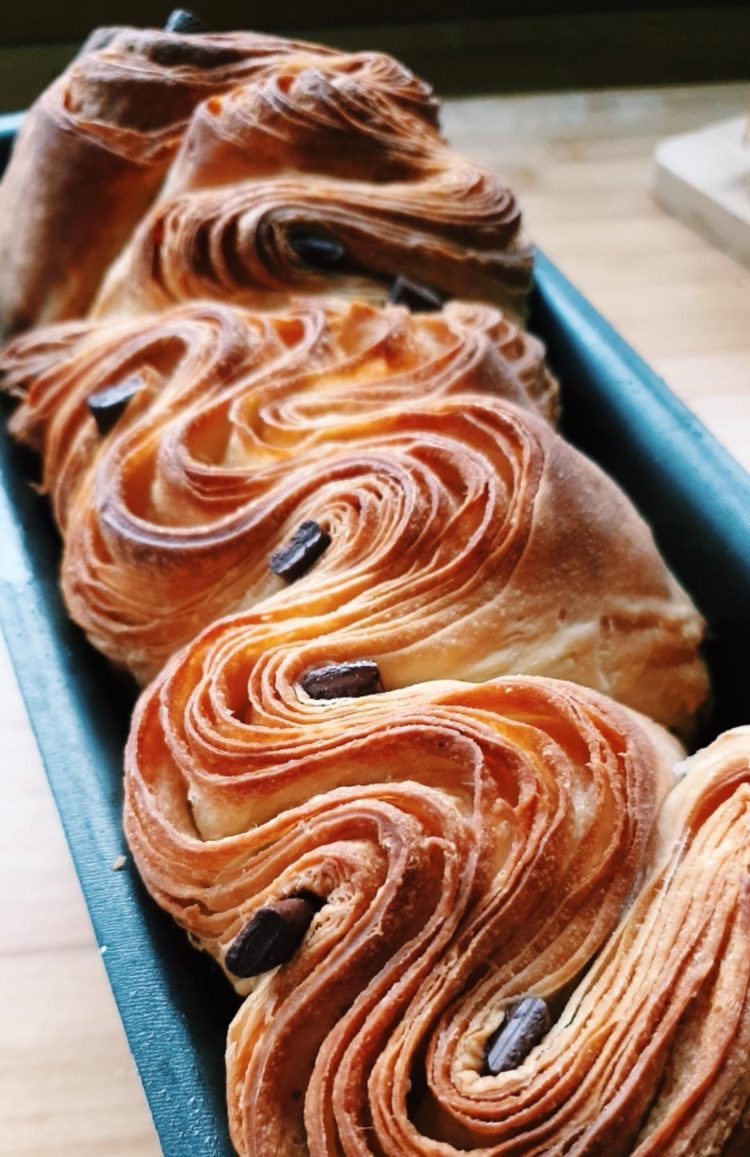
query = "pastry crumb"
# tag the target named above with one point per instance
(119, 864)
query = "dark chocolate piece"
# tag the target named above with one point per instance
(317, 249)
(304, 548)
(183, 21)
(344, 680)
(270, 937)
(417, 298)
(524, 1026)
(110, 404)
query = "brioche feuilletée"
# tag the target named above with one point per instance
(273, 118)
(454, 923)
(93, 152)
(367, 579)
(455, 533)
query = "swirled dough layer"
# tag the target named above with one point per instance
(95, 148)
(470, 844)
(468, 539)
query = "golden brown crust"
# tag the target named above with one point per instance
(362, 116)
(468, 539)
(283, 137)
(343, 146)
(56, 233)
(93, 152)
(230, 400)
(649, 1056)
(458, 232)
(470, 843)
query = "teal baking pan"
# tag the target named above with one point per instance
(174, 1004)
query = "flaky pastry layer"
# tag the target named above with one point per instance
(468, 539)
(95, 148)
(469, 844)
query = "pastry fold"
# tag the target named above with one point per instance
(468, 539)
(260, 509)
(649, 1055)
(361, 115)
(96, 146)
(279, 139)
(467, 844)
(344, 149)
(457, 232)
(386, 355)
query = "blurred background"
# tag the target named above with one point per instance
(462, 46)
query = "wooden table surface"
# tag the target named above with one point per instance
(68, 1086)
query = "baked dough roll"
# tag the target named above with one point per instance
(360, 116)
(455, 534)
(254, 242)
(94, 150)
(321, 176)
(207, 376)
(456, 846)
(460, 537)
(649, 1056)
(354, 354)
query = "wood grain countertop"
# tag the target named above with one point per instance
(580, 163)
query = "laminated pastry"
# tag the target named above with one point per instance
(462, 854)
(455, 534)
(96, 146)
(254, 242)
(333, 178)
(320, 179)
(360, 115)
(223, 401)
(376, 775)
(361, 356)
(91, 155)
(384, 879)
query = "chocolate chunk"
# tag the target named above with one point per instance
(110, 404)
(343, 681)
(304, 548)
(316, 249)
(183, 21)
(524, 1026)
(417, 298)
(270, 937)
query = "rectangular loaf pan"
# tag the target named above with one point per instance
(174, 1005)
